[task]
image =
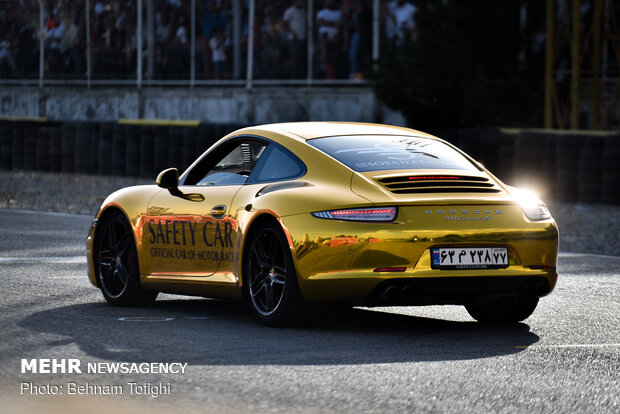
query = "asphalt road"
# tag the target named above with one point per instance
(565, 358)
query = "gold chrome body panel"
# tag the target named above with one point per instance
(194, 245)
(335, 259)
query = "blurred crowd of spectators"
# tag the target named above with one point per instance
(342, 38)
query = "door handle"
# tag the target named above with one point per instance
(217, 212)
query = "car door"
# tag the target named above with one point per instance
(276, 169)
(190, 231)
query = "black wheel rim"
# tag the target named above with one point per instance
(115, 258)
(267, 272)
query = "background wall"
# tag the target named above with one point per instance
(214, 104)
(568, 166)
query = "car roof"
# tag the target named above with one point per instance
(311, 130)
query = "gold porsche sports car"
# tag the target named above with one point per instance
(296, 215)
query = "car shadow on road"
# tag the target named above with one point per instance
(213, 332)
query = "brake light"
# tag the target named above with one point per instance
(359, 214)
(434, 177)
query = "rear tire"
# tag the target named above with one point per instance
(506, 312)
(270, 284)
(116, 263)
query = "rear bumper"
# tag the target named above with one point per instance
(456, 290)
(428, 288)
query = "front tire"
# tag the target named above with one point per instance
(270, 281)
(116, 262)
(503, 312)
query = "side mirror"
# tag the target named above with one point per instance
(168, 179)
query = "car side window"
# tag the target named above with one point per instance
(231, 164)
(277, 164)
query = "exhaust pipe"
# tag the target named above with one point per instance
(407, 293)
(529, 289)
(541, 289)
(391, 293)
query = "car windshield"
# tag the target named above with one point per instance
(384, 152)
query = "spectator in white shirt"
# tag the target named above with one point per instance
(328, 20)
(294, 23)
(218, 52)
(70, 46)
(404, 18)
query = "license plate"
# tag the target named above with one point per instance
(469, 257)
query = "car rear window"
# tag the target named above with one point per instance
(383, 152)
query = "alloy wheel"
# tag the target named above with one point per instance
(267, 267)
(115, 258)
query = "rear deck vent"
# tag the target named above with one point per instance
(410, 184)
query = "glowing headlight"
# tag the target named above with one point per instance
(359, 214)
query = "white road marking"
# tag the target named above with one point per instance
(145, 319)
(569, 254)
(568, 346)
(170, 318)
(42, 260)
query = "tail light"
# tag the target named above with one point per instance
(532, 207)
(359, 214)
(536, 212)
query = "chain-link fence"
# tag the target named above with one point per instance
(193, 42)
